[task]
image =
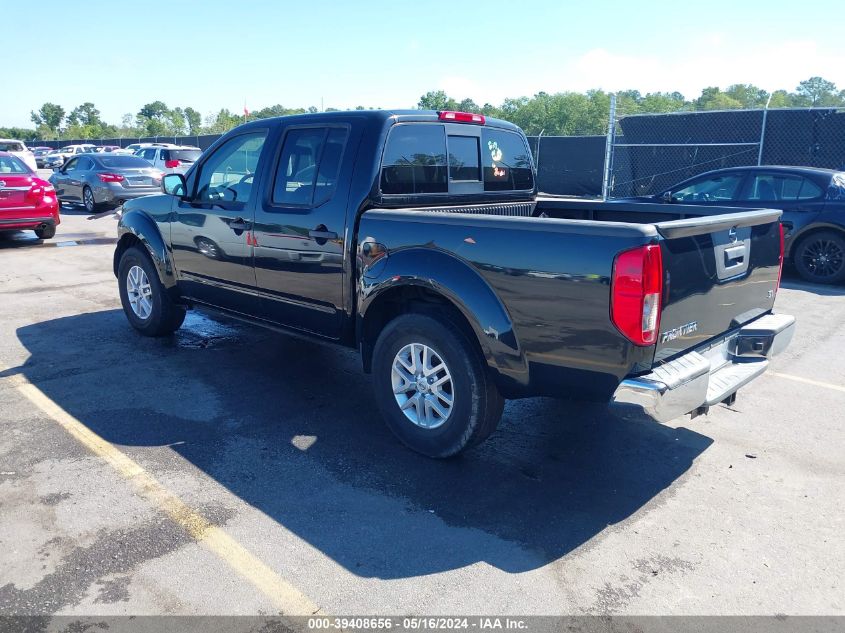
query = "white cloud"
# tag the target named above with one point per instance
(707, 60)
(711, 62)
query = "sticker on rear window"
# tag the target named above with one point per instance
(498, 156)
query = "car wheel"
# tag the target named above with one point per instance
(88, 200)
(46, 233)
(433, 387)
(820, 257)
(146, 303)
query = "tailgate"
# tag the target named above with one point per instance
(719, 273)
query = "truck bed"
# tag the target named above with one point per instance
(550, 264)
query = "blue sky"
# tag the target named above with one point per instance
(212, 54)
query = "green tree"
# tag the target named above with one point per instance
(50, 114)
(176, 123)
(221, 122)
(748, 95)
(153, 119)
(663, 102)
(468, 105)
(713, 98)
(436, 100)
(194, 121)
(20, 133)
(86, 114)
(782, 99)
(816, 91)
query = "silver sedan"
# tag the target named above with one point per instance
(99, 180)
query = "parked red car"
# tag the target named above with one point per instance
(27, 202)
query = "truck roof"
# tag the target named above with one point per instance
(376, 115)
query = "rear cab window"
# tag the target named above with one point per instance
(450, 158)
(182, 155)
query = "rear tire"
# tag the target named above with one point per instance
(459, 385)
(46, 233)
(820, 257)
(146, 302)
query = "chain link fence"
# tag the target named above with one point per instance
(203, 141)
(648, 153)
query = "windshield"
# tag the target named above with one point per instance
(12, 165)
(128, 162)
(11, 146)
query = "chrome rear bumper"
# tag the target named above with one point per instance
(710, 374)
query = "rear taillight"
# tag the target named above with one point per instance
(461, 117)
(780, 260)
(110, 177)
(636, 290)
(170, 164)
(39, 190)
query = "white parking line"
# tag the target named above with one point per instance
(817, 383)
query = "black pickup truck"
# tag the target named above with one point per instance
(419, 239)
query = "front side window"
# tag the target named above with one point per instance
(85, 164)
(415, 160)
(714, 189)
(72, 164)
(227, 175)
(506, 161)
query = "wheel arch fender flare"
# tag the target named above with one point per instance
(136, 226)
(807, 231)
(459, 284)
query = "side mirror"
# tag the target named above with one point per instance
(174, 185)
(667, 197)
(56, 169)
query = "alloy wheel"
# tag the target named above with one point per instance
(88, 199)
(823, 258)
(140, 292)
(422, 385)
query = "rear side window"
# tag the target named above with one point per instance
(415, 160)
(309, 165)
(505, 160)
(774, 187)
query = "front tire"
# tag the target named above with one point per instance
(820, 257)
(146, 302)
(432, 386)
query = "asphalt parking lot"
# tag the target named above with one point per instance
(229, 470)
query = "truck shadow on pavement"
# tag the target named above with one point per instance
(291, 428)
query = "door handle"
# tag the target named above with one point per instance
(734, 254)
(238, 224)
(320, 233)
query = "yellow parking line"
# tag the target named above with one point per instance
(826, 385)
(285, 596)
